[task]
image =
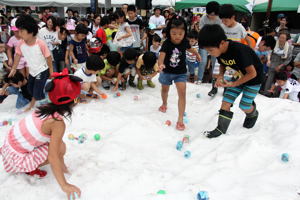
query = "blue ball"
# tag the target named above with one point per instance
(185, 120)
(187, 154)
(184, 114)
(198, 95)
(285, 157)
(179, 145)
(202, 195)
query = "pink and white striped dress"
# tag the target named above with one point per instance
(26, 146)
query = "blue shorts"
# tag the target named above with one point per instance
(123, 49)
(167, 79)
(249, 94)
(36, 85)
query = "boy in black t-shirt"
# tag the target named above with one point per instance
(136, 26)
(246, 72)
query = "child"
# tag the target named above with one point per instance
(37, 139)
(191, 59)
(146, 68)
(155, 47)
(124, 37)
(16, 85)
(11, 46)
(233, 30)
(136, 25)
(110, 71)
(60, 51)
(3, 63)
(37, 56)
(173, 66)
(90, 81)
(78, 48)
(112, 46)
(127, 68)
(290, 87)
(248, 76)
(111, 29)
(101, 31)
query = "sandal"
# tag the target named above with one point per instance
(38, 172)
(163, 109)
(180, 126)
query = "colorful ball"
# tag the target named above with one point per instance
(168, 123)
(103, 96)
(71, 137)
(179, 145)
(198, 95)
(97, 137)
(5, 123)
(202, 195)
(187, 154)
(285, 157)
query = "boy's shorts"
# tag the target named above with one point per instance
(167, 79)
(36, 85)
(131, 70)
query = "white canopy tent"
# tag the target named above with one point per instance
(76, 3)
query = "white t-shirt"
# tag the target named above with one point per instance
(35, 56)
(94, 28)
(3, 58)
(292, 87)
(49, 37)
(156, 51)
(86, 78)
(235, 33)
(158, 21)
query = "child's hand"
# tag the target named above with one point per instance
(70, 190)
(198, 57)
(12, 73)
(75, 61)
(115, 89)
(2, 92)
(161, 67)
(10, 62)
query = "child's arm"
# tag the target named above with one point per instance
(129, 33)
(50, 65)
(3, 89)
(67, 57)
(75, 61)
(249, 42)
(6, 65)
(54, 154)
(250, 74)
(285, 96)
(96, 89)
(161, 60)
(195, 51)
(9, 55)
(14, 67)
(119, 77)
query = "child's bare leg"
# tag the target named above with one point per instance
(181, 90)
(23, 71)
(164, 94)
(31, 104)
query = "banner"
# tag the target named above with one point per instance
(199, 10)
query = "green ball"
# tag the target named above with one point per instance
(97, 137)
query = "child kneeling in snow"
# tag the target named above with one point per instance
(36, 140)
(290, 87)
(146, 68)
(90, 81)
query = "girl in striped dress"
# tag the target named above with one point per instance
(36, 140)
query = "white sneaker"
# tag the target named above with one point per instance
(198, 82)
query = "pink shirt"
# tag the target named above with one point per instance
(13, 43)
(35, 55)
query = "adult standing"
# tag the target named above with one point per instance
(95, 25)
(211, 17)
(158, 20)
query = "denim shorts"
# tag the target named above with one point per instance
(167, 79)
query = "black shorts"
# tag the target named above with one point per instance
(36, 85)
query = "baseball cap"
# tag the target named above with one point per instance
(64, 88)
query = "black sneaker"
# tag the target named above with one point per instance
(132, 84)
(213, 92)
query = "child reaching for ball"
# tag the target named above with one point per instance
(36, 140)
(172, 63)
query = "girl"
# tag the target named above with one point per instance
(124, 37)
(49, 35)
(95, 25)
(171, 62)
(37, 139)
(11, 45)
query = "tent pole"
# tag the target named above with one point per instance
(268, 13)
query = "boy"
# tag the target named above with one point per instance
(155, 47)
(109, 73)
(136, 26)
(78, 47)
(191, 59)
(290, 87)
(127, 68)
(3, 63)
(90, 81)
(146, 68)
(247, 79)
(101, 31)
(16, 85)
(37, 56)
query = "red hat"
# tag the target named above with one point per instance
(64, 88)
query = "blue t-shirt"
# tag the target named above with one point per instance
(79, 50)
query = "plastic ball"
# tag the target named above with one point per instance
(161, 192)
(5, 123)
(168, 123)
(202, 195)
(184, 114)
(71, 137)
(285, 157)
(198, 95)
(186, 139)
(118, 94)
(82, 136)
(187, 154)
(81, 140)
(185, 120)
(136, 98)
(179, 145)
(103, 96)
(97, 137)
